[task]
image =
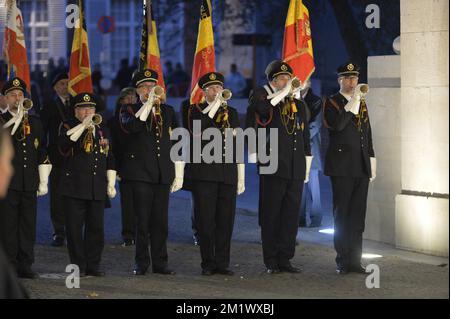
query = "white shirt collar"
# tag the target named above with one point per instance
(3, 111)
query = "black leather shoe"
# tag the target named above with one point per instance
(226, 272)
(272, 271)
(341, 270)
(27, 273)
(358, 269)
(164, 271)
(139, 272)
(128, 242)
(57, 241)
(208, 272)
(291, 269)
(302, 223)
(196, 240)
(95, 273)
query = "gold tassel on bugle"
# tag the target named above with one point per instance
(26, 126)
(293, 106)
(88, 142)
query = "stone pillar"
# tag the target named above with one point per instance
(383, 103)
(422, 210)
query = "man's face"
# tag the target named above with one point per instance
(144, 89)
(348, 83)
(212, 91)
(82, 112)
(130, 98)
(62, 88)
(281, 81)
(6, 168)
(12, 98)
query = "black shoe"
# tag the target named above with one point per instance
(358, 269)
(290, 269)
(128, 242)
(139, 272)
(164, 271)
(57, 241)
(341, 270)
(95, 273)
(27, 273)
(272, 271)
(302, 223)
(208, 272)
(226, 272)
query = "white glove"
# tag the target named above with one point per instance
(213, 107)
(308, 167)
(353, 104)
(373, 168)
(44, 173)
(145, 110)
(111, 177)
(78, 130)
(241, 178)
(179, 175)
(147, 107)
(16, 120)
(277, 97)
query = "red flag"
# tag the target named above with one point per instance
(204, 59)
(297, 44)
(14, 48)
(149, 52)
(80, 68)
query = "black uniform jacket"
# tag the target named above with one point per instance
(29, 153)
(293, 141)
(350, 146)
(84, 174)
(215, 172)
(146, 152)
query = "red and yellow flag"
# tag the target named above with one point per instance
(204, 59)
(149, 57)
(80, 69)
(297, 44)
(14, 48)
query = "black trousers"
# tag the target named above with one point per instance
(56, 203)
(279, 205)
(85, 232)
(151, 202)
(215, 208)
(349, 210)
(18, 227)
(128, 215)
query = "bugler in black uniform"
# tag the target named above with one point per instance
(280, 193)
(350, 162)
(88, 176)
(147, 167)
(215, 185)
(31, 170)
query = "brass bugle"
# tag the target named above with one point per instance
(27, 104)
(225, 95)
(97, 119)
(158, 91)
(296, 83)
(362, 88)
